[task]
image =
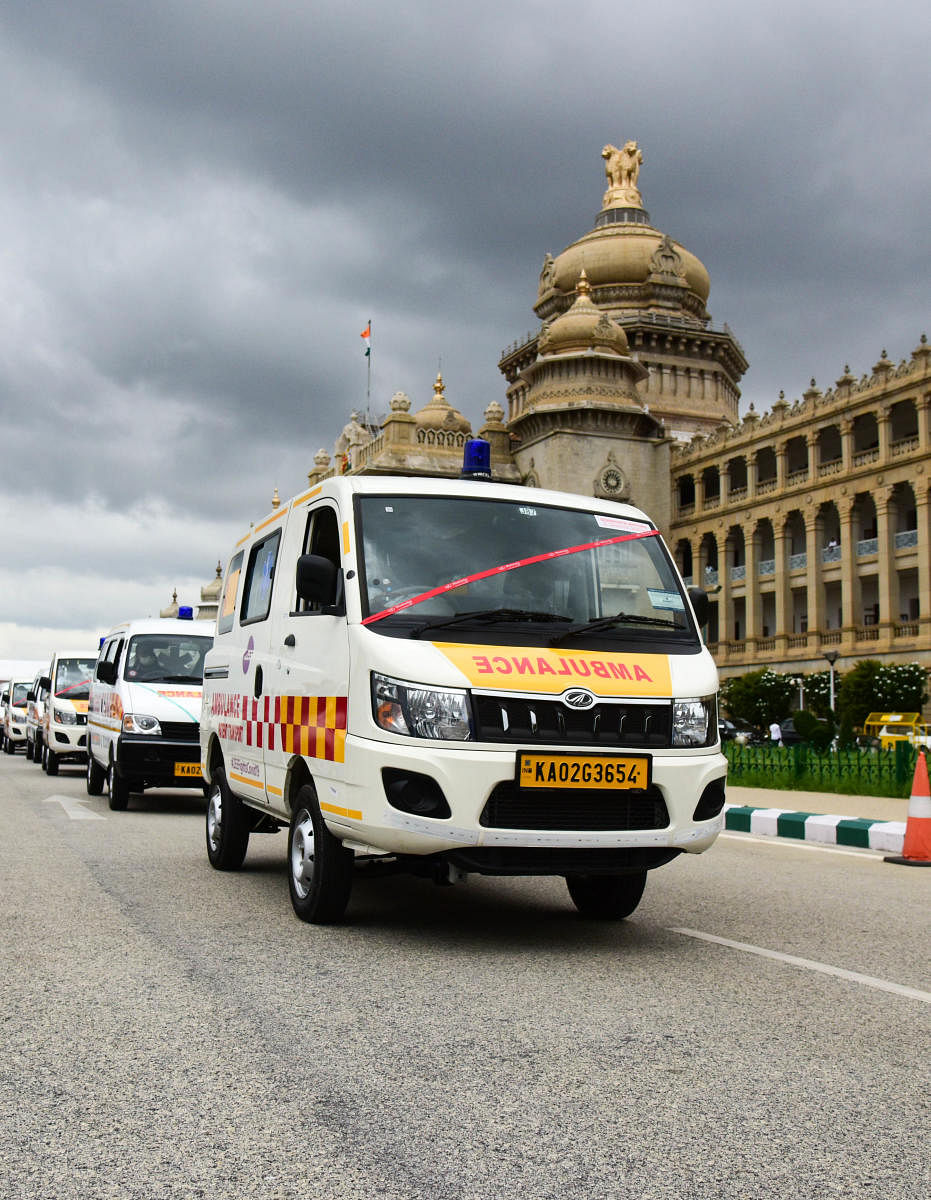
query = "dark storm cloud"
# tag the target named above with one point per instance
(203, 201)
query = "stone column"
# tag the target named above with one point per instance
(814, 540)
(782, 583)
(751, 474)
(923, 514)
(851, 615)
(885, 559)
(781, 455)
(725, 602)
(753, 606)
(846, 444)
(884, 427)
(811, 439)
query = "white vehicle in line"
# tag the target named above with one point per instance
(452, 677)
(35, 717)
(64, 722)
(14, 714)
(144, 709)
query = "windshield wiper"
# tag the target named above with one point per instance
(621, 618)
(486, 616)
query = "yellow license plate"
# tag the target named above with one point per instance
(602, 771)
(188, 770)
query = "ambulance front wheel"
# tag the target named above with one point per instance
(117, 789)
(606, 897)
(227, 825)
(319, 866)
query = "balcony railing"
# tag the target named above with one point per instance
(711, 576)
(909, 629)
(867, 546)
(908, 537)
(904, 446)
(834, 467)
(737, 493)
(738, 573)
(831, 637)
(766, 566)
(798, 561)
(863, 457)
(867, 633)
(830, 554)
(795, 477)
(765, 487)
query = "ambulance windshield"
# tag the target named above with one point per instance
(502, 566)
(72, 678)
(166, 658)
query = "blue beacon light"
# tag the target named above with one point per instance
(185, 613)
(476, 459)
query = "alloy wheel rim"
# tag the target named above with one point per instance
(215, 818)
(302, 854)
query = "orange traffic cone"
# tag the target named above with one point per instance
(916, 848)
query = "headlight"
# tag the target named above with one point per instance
(140, 723)
(419, 711)
(694, 722)
(64, 717)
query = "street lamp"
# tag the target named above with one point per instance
(831, 656)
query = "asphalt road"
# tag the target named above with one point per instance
(170, 1031)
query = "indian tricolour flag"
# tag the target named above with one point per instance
(366, 336)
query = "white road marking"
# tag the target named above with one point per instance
(797, 844)
(74, 808)
(809, 964)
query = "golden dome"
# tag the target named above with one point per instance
(440, 414)
(629, 253)
(582, 327)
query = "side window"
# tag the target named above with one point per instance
(260, 575)
(321, 537)
(228, 605)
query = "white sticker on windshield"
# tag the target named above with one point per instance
(661, 599)
(622, 524)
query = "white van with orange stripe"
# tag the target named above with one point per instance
(145, 701)
(449, 677)
(64, 710)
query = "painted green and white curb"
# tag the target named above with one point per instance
(825, 828)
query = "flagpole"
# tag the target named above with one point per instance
(368, 381)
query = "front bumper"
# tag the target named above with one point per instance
(68, 741)
(155, 762)
(356, 808)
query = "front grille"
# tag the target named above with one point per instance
(180, 731)
(513, 807)
(628, 725)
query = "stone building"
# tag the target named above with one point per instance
(809, 525)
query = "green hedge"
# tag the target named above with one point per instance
(802, 767)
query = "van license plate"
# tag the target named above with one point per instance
(188, 770)
(602, 771)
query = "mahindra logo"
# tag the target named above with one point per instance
(578, 698)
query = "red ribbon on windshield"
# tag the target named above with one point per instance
(512, 566)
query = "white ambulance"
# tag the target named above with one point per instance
(449, 677)
(145, 701)
(66, 686)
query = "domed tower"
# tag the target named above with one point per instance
(656, 290)
(582, 425)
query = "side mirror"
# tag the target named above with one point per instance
(106, 672)
(701, 605)
(318, 580)
(45, 682)
(31, 694)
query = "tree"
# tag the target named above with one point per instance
(818, 691)
(903, 687)
(872, 687)
(759, 696)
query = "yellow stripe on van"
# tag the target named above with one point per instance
(307, 496)
(245, 779)
(354, 813)
(345, 537)
(270, 520)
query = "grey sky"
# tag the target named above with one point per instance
(203, 201)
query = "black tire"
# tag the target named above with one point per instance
(227, 825)
(117, 789)
(30, 750)
(320, 868)
(96, 776)
(51, 763)
(606, 897)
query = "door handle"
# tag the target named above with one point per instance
(258, 682)
(289, 640)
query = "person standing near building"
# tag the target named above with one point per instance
(775, 734)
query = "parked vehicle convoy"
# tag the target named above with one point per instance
(144, 708)
(14, 714)
(452, 677)
(35, 717)
(64, 726)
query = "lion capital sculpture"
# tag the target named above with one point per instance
(622, 167)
